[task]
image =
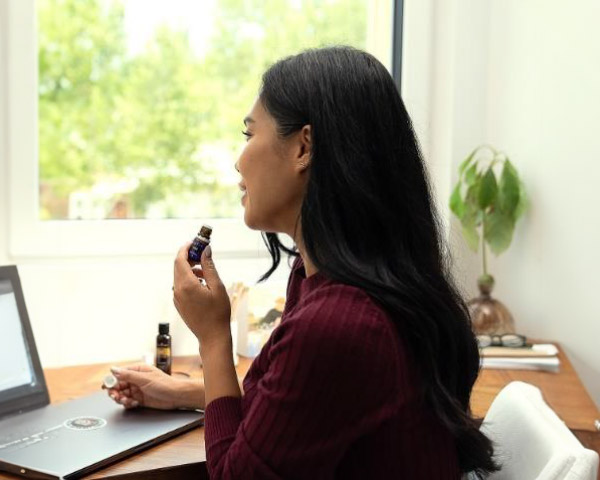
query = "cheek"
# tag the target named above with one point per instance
(252, 158)
(252, 164)
(271, 188)
(243, 160)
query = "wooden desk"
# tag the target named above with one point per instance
(184, 457)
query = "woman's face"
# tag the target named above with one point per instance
(274, 172)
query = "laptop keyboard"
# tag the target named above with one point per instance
(17, 440)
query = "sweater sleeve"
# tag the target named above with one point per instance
(332, 377)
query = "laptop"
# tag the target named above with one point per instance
(73, 438)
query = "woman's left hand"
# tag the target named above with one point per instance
(205, 309)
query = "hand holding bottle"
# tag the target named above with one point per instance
(205, 309)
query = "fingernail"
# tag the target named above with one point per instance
(135, 403)
(115, 370)
(208, 252)
(113, 396)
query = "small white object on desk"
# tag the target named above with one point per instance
(148, 358)
(110, 381)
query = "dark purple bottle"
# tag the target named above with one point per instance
(200, 243)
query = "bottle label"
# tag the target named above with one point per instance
(163, 359)
(163, 354)
(195, 251)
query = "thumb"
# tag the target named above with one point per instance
(211, 276)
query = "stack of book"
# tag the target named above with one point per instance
(538, 356)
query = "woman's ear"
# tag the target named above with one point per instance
(305, 150)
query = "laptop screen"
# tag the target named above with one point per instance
(22, 384)
(15, 367)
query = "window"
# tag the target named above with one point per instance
(125, 115)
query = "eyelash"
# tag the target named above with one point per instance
(246, 134)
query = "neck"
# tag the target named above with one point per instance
(309, 266)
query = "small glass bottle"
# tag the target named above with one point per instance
(200, 243)
(163, 348)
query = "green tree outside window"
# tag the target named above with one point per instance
(141, 135)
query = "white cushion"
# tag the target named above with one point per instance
(531, 442)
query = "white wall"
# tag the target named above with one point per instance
(104, 310)
(536, 65)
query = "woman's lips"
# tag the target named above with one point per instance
(244, 192)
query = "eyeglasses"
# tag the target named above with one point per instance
(506, 340)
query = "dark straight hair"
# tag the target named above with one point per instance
(368, 220)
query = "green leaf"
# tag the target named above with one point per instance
(466, 161)
(488, 190)
(471, 175)
(498, 229)
(456, 202)
(469, 221)
(523, 202)
(471, 236)
(509, 190)
(473, 213)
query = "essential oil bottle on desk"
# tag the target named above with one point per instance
(163, 348)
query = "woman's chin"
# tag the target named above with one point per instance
(249, 221)
(254, 223)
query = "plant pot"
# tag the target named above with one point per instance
(488, 315)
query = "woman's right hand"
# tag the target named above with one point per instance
(146, 386)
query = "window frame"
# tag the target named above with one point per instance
(30, 237)
(397, 33)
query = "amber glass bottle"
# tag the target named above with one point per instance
(163, 348)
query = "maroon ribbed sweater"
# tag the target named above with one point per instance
(332, 394)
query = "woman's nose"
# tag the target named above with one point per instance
(236, 166)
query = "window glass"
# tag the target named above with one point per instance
(141, 101)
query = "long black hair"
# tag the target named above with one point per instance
(368, 220)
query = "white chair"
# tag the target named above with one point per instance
(531, 442)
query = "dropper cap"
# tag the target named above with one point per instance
(163, 328)
(205, 231)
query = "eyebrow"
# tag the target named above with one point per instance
(248, 120)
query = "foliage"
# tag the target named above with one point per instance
(488, 199)
(108, 115)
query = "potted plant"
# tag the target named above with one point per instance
(488, 199)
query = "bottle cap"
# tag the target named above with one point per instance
(205, 231)
(163, 328)
(110, 381)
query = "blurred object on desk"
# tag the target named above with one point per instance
(256, 312)
(549, 364)
(511, 351)
(535, 350)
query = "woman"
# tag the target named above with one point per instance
(370, 372)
